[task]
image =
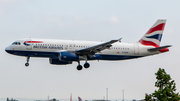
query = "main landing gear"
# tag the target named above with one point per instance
(27, 63)
(86, 65)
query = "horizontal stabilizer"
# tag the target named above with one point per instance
(159, 48)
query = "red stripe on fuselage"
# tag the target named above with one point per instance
(148, 43)
(33, 42)
(159, 27)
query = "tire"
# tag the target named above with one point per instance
(79, 67)
(86, 65)
(26, 64)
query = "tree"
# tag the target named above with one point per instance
(166, 87)
(148, 97)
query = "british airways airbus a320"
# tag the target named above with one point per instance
(62, 52)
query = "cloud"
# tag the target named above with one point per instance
(114, 19)
(78, 18)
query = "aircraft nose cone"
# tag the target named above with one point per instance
(7, 49)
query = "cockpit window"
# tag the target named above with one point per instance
(16, 43)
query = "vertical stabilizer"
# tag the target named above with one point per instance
(154, 34)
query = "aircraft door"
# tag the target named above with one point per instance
(28, 44)
(136, 49)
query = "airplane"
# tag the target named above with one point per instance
(79, 99)
(63, 52)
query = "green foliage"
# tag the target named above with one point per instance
(162, 79)
(167, 88)
(148, 97)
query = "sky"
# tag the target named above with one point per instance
(92, 20)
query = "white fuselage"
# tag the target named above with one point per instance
(50, 46)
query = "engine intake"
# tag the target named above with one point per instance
(68, 56)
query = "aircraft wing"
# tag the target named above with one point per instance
(97, 48)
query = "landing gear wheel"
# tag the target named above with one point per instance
(86, 65)
(26, 64)
(79, 67)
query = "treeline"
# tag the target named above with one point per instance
(11, 99)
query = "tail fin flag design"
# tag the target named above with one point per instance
(79, 99)
(154, 34)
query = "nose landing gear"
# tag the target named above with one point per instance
(27, 63)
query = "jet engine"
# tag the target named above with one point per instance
(68, 56)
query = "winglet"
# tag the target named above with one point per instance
(116, 40)
(119, 39)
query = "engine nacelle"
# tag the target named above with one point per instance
(58, 62)
(68, 56)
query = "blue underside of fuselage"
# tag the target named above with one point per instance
(55, 55)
